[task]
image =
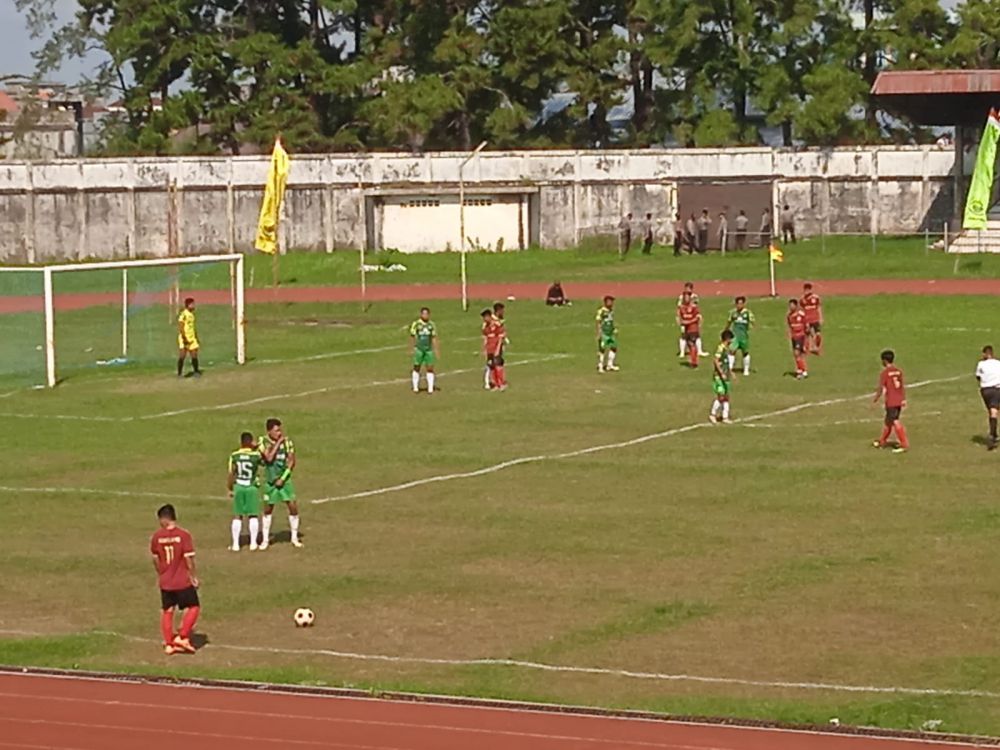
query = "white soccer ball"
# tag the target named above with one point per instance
(304, 617)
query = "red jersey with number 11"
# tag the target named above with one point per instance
(892, 381)
(171, 548)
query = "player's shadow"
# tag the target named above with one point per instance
(980, 440)
(199, 640)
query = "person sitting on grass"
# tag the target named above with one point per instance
(555, 297)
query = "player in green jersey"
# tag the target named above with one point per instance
(278, 454)
(741, 320)
(607, 336)
(242, 483)
(424, 348)
(721, 379)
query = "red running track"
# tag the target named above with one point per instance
(86, 713)
(524, 290)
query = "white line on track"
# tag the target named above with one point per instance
(267, 399)
(492, 469)
(563, 668)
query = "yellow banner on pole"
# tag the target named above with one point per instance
(274, 194)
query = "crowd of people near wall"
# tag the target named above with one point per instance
(692, 234)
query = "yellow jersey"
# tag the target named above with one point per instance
(186, 319)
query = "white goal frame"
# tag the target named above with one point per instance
(236, 290)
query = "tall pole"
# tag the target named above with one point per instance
(770, 261)
(461, 221)
(50, 335)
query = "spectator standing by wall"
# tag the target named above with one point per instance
(787, 225)
(766, 228)
(723, 231)
(625, 235)
(647, 234)
(742, 223)
(704, 224)
(678, 235)
(691, 233)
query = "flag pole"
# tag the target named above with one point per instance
(770, 263)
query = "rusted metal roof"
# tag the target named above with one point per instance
(939, 97)
(937, 82)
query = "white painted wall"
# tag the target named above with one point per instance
(430, 223)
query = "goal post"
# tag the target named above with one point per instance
(112, 313)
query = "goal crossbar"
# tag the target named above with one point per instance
(238, 296)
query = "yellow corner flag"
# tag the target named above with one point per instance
(776, 255)
(274, 194)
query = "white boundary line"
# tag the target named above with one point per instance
(113, 493)
(492, 469)
(560, 668)
(266, 399)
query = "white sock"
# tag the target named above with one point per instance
(415, 377)
(293, 522)
(698, 344)
(254, 530)
(725, 410)
(267, 528)
(236, 527)
(732, 361)
(486, 377)
(600, 360)
(430, 382)
(715, 407)
(683, 344)
(611, 358)
(746, 364)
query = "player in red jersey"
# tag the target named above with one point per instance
(798, 331)
(689, 319)
(890, 383)
(173, 558)
(494, 338)
(811, 306)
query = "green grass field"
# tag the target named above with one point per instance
(783, 549)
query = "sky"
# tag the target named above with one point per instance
(16, 46)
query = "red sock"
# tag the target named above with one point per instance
(819, 341)
(886, 431)
(167, 625)
(190, 618)
(901, 434)
(493, 376)
(693, 353)
(800, 363)
(501, 376)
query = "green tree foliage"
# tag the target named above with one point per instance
(413, 75)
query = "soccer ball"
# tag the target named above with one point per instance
(304, 617)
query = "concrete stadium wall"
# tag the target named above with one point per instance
(119, 208)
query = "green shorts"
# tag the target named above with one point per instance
(720, 386)
(246, 501)
(741, 344)
(607, 343)
(284, 494)
(423, 357)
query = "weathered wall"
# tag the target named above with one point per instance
(118, 208)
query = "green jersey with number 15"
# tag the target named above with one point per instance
(244, 464)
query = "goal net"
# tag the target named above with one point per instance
(58, 321)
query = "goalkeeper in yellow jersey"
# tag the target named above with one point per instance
(187, 339)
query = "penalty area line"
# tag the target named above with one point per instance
(112, 493)
(523, 460)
